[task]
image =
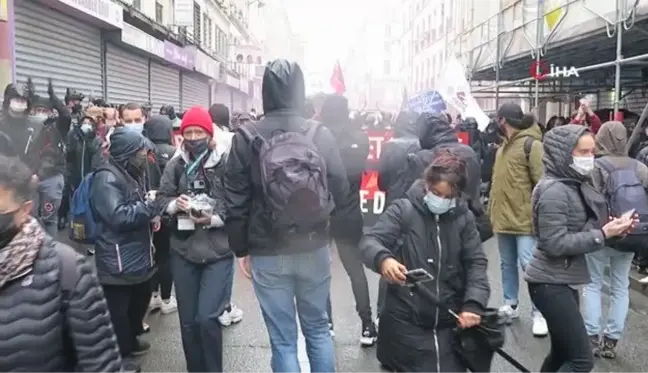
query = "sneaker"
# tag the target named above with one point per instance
(644, 281)
(608, 348)
(155, 304)
(168, 306)
(369, 334)
(509, 313)
(539, 328)
(595, 344)
(231, 315)
(141, 348)
(90, 251)
(331, 330)
(145, 328)
(130, 366)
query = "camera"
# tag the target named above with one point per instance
(198, 186)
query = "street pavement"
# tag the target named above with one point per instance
(247, 348)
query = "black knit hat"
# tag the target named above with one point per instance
(220, 114)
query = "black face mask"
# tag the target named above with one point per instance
(137, 165)
(8, 230)
(196, 147)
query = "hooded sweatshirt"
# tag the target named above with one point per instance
(159, 129)
(567, 214)
(611, 140)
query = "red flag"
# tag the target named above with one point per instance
(337, 79)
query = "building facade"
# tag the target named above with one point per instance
(159, 51)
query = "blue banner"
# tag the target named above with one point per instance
(426, 102)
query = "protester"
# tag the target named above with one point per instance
(414, 334)
(124, 251)
(159, 129)
(586, 116)
(570, 220)
(192, 191)
(220, 116)
(353, 145)
(293, 234)
(517, 169)
(37, 274)
(612, 168)
(45, 152)
(15, 108)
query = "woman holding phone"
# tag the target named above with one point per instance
(432, 229)
(570, 220)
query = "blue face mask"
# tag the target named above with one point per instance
(135, 127)
(438, 205)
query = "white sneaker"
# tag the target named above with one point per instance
(539, 328)
(644, 281)
(155, 303)
(230, 316)
(169, 306)
(509, 313)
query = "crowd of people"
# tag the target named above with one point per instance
(274, 192)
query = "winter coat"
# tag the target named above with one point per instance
(393, 157)
(83, 155)
(159, 129)
(47, 154)
(124, 250)
(248, 224)
(567, 214)
(203, 244)
(437, 135)
(32, 322)
(513, 180)
(449, 248)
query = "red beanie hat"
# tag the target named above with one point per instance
(197, 116)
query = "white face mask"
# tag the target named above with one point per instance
(17, 106)
(583, 165)
(86, 128)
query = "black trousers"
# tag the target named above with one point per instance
(570, 346)
(350, 258)
(162, 281)
(127, 305)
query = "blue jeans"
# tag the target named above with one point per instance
(514, 250)
(282, 282)
(201, 291)
(620, 264)
(47, 202)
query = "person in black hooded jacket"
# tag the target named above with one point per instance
(353, 144)
(394, 154)
(13, 124)
(433, 229)
(471, 126)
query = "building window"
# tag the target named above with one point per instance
(137, 4)
(207, 30)
(197, 35)
(159, 13)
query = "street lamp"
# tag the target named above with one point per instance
(259, 3)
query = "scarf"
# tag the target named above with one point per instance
(18, 257)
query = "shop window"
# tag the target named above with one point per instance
(159, 13)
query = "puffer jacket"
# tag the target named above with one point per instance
(31, 320)
(447, 246)
(567, 214)
(513, 180)
(611, 140)
(203, 244)
(437, 135)
(123, 249)
(393, 157)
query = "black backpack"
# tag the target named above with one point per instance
(294, 179)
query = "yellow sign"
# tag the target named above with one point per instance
(553, 17)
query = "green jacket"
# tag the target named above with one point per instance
(513, 181)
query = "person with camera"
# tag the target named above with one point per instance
(202, 264)
(430, 229)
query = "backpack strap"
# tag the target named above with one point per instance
(407, 209)
(606, 164)
(311, 131)
(528, 146)
(69, 274)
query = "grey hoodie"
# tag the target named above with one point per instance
(566, 214)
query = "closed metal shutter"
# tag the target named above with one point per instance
(127, 76)
(195, 90)
(50, 44)
(165, 86)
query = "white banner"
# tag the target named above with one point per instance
(455, 90)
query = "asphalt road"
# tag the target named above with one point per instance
(247, 348)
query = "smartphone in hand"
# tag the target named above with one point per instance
(628, 214)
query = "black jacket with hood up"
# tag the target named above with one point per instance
(449, 247)
(83, 155)
(248, 223)
(436, 135)
(393, 157)
(123, 249)
(159, 129)
(353, 144)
